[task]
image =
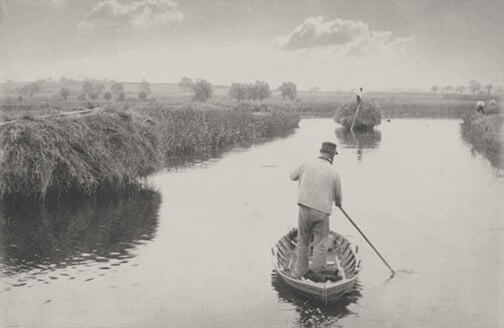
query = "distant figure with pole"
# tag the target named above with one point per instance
(358, 95)
(319, 187)
(480, 106)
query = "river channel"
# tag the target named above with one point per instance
(195, 252)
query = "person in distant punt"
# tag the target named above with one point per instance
(358, 95)
(480, 106)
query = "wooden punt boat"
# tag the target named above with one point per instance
(340, 256)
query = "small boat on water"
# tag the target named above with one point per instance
(341, 258)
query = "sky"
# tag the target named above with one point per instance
(329, 44)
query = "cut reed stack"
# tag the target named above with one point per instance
(368, 115)
(85, 155)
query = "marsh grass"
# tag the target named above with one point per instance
(109, 152)
(485, 134)
(186, 132)
(57, 157)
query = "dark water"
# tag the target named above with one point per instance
(195, 253)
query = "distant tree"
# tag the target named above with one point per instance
(107, 95)
(448, 89)
(474, 86)
(65, 92)
(142, 95)
(251, 91)
(30, 89)
(461, 89)
(87, 88)
(121, 96)
(203, 90)
(489, 88)
(263, 90)
(435, 89)
(35, 88)
(185, 83)
(145, 87)
(238, 91)
(117, 88)
(99, 87)
(288, 90)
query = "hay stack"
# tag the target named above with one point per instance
(56, 157)
(369, 115)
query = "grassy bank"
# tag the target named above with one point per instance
(321, 104)
(485, 133)
(110, 151)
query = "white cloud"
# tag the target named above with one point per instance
(346, 36)
(119, 14)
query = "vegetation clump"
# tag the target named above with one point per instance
(187, 131)
(484, 133)
(86, 155)
(110, 151)
(368, 115)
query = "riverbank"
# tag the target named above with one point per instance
(308, 104)
(485, 134)
(110, 151)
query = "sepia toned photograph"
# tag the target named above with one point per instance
(251, 163)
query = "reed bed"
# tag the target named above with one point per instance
(186, 132)
(486, 135)
(110, 151)
(86, 155)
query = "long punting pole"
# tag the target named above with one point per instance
(355, 116)
(368, 241)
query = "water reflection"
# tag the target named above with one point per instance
(360, 140)
(313, 313)
(38, 241)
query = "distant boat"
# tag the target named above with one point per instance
(341, 257)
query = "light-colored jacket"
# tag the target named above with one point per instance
(319, 185)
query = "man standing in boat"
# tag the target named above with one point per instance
(358, 95)
(319, 187)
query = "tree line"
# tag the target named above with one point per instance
(474, 87)
(92, 90)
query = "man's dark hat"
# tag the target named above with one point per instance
(328, 148)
